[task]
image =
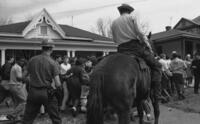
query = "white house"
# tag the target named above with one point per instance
(24, 38)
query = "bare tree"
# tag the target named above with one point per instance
(28, 17)
(109, 31)
(5, 21)
(143, 24)
(144, 27)
(103, 27)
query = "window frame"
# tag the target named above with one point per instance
(41, 31)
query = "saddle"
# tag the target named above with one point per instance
(142, 64)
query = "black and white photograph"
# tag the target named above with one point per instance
(99, 62)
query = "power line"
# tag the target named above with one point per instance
(70, 13)
(73, 13)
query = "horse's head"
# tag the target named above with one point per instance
(151, 42)
(149, 36)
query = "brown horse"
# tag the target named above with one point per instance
(118, 81)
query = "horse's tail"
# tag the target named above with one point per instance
(95, 100)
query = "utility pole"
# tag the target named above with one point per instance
(170, 20)
(72, 17)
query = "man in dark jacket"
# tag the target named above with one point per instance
(5, 78)
(78, 78)
(196, 72)
(5, 69)
(43, 70)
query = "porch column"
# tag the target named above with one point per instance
(194, 48)
(68, 54)
(3, 53)
(107, 53)
(73, 53)
(183, 48)
(104, 53)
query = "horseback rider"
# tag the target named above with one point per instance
(132, 41)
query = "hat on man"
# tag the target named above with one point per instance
(125, 7)
(80, 61)
(47, 43)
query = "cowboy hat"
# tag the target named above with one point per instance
(47, 43)
(126, 6)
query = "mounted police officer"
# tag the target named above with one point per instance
(43, 71)
(132, 41)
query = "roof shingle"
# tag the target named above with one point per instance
(197, 20)
(166, 35)
(15, 28)
(76, 32)
(70, 31)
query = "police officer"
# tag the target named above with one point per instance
(43, 71)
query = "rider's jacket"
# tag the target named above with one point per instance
(125, 28)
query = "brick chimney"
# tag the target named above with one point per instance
(167, 28)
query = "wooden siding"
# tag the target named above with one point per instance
(35, 33)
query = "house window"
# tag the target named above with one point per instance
(43, 30)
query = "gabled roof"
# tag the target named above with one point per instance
(185, 19)
(76, 32)
(45, 17)
(65, 31)
(171, 34)
(15, 28)
(196, 20)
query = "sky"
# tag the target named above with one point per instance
(157, 13)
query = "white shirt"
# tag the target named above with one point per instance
(16, 71)
(164, 64)
(168, 62)
(125, 28)
(64, 68)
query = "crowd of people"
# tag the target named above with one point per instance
(15, 82)
(26, 82)
(53, 83)
(178, 73)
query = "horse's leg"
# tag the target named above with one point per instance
(124, 117)
(123, 107)
(140, 113)
(156, 111)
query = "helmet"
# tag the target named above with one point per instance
(47, 43)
